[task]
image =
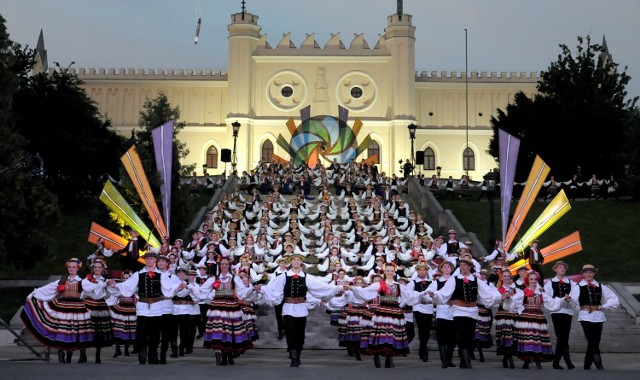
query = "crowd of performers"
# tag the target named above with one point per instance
(355, 249)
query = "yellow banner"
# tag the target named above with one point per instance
(554, 211)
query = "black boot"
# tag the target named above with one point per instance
(480, 355)
(465, 359)
(388, 363)
(181, 351)
(450, 350)
(224, 359)
(126, 350)
(567, 358)
(511, 365)
(153, 357)
(174, 349)
(299, 351)
(597, 360)
(98, 351)
(230, 358)
(443, 355)
(356, 351)
(294, 358)
(505, 361)
(588, 359)
(218, 358)
(525, 365)
(69, 356)
(118, 351)
(60, 356)
(349, 350)
(83, 356)
(538, 365)
(376, 360)
(142, 356)
(134, 349)
(164, 347)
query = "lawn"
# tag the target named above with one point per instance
(607, 230)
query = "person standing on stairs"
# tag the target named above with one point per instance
(560, 287)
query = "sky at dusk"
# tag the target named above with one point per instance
(503, 35)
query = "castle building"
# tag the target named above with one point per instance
(267, 85)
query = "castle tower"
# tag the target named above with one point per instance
(244, 34)
(400, 40)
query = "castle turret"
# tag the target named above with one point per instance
(244, 35)
(400, 40)
(40, 65)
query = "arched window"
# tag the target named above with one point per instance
(429, 159)
(374, 149)
(267, 151)
(468, 160)
(212, 157)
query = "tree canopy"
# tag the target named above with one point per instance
(578, 120)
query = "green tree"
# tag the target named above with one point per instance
(78, 145)
(578, 118)
(27, 208)
(155, 113)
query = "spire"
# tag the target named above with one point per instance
(41, 65)
(400, 10)
(244, 8)
(605, 56)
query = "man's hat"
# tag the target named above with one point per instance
(589, 268)
(558, 263)
(150, 254)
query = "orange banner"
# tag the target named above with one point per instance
(110, 240)
(133, 165)
(371, 160)
(278, 160)
(554, 252)
(539, 172)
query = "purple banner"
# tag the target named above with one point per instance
(163, 147)
(509, 147)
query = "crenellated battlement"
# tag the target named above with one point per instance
(334, 46)
(147, 74)
(483, 76)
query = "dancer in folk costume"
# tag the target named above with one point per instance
(123, 318)
(505, 319)
(351, 321)
(560, 287)
(226, 333)
(296, 288)
(56, 315)
(445, 327)
(94, 289)
(248, 310)
(388, 335)
(593, 297)
(482, 336)
(423, 309)
(532, 331)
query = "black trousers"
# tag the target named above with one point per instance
(423, 323)
(446, 332)
(465, 330)
(168, 330)
(148, 333)
(562, 328)
(187, 329)
(202, 320)
(294, 328)
(279, 320)
(411, 331)
(538, 268)
(593, 333)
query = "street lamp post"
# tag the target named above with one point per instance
(491, 180)
(204, 169)
(234, 156)
(412, 135)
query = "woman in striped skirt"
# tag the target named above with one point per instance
(94, 295)
(482, 336)
(388, 334)
(123, 318)
(505, 318)
(532, 332)
(56, 315)
(226, 330)
(351, 322)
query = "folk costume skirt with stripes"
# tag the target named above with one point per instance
(123, 318)
(532, 335)
(226, 329)
(482, 335)
(387, 333)
(100, 322)
(505, 323)
(63, 323)
(351, 325)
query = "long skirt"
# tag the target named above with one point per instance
(351, 325)
(505, 325)
(532, 334)
(482, 335)
(251, 321)
(388, 334)
(123, 317)
(226, 329)
(100, 322)
(64, 324)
